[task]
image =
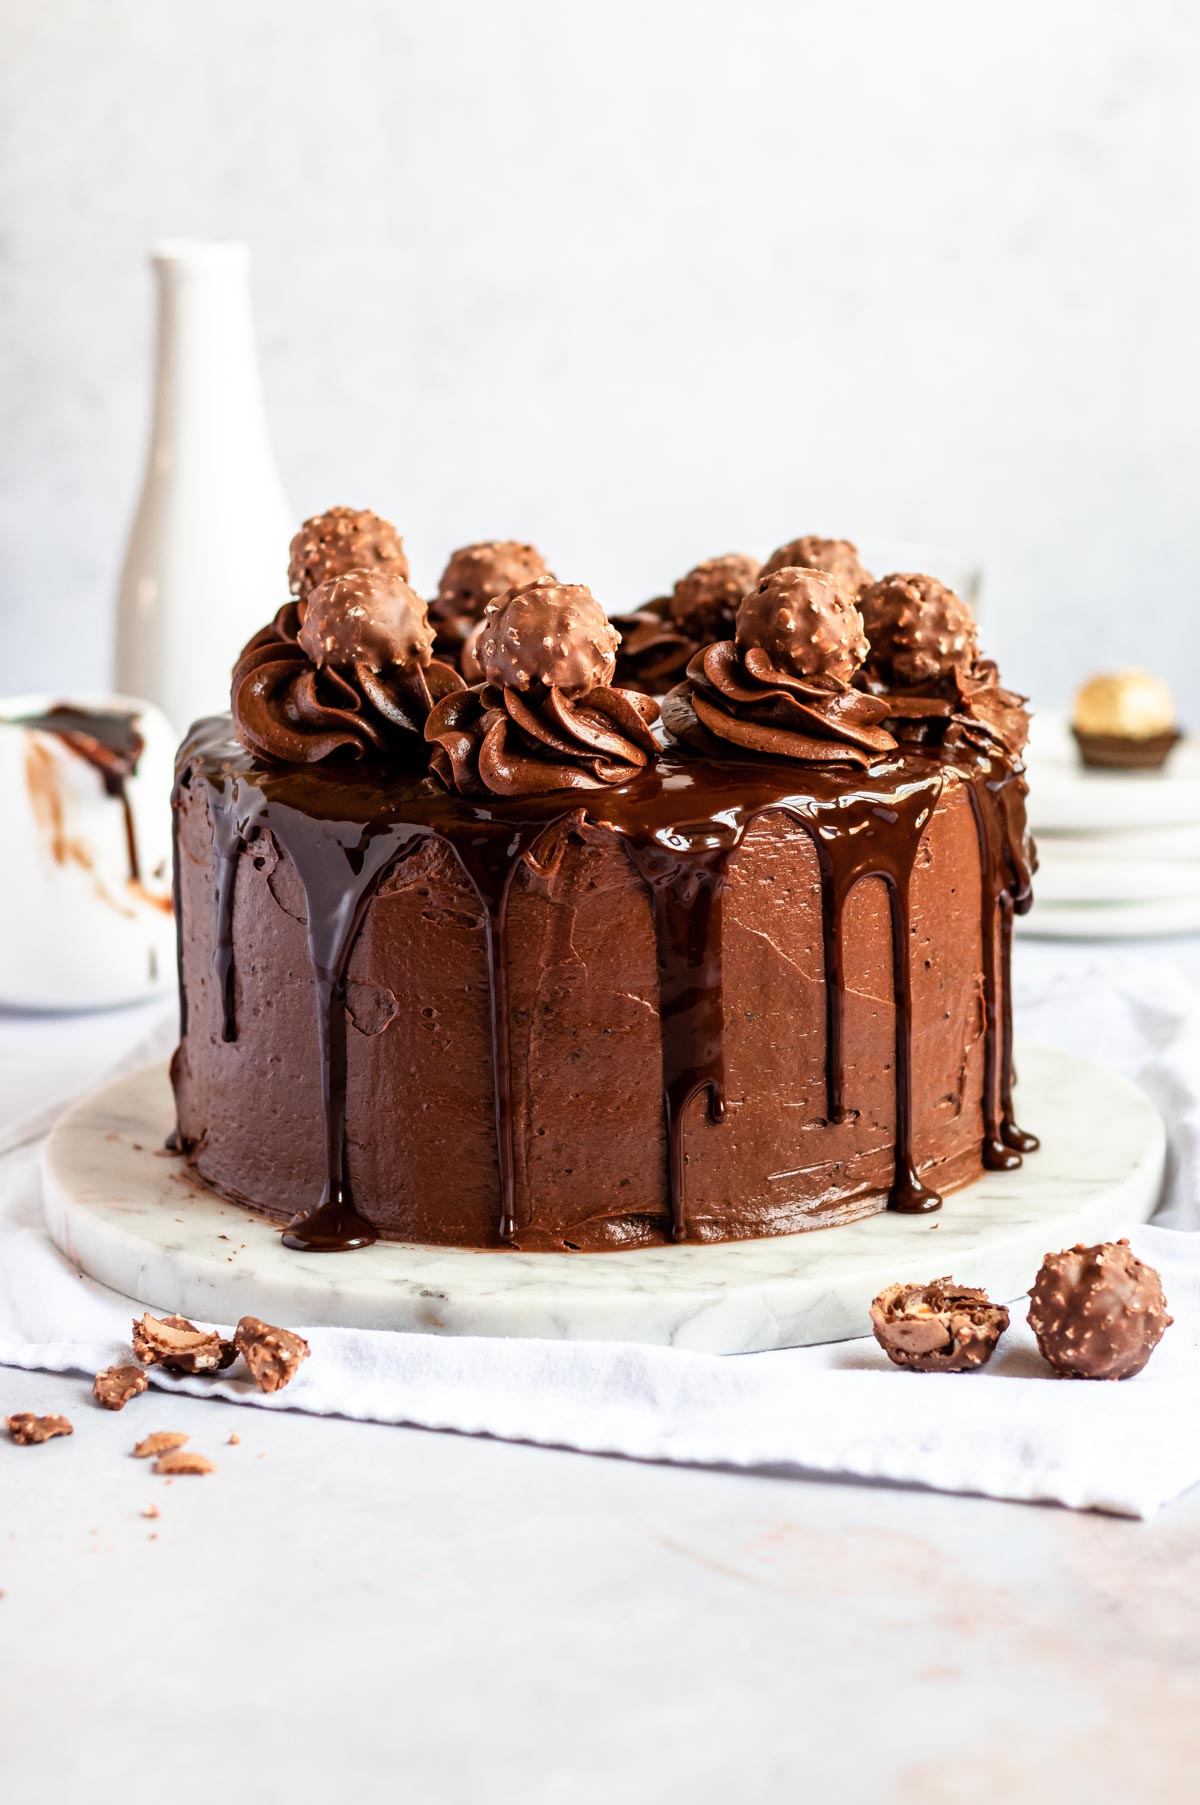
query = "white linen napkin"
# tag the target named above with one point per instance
(1010, 1431)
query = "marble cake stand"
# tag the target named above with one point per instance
(140, 1221)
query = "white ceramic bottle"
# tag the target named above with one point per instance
(206, 563)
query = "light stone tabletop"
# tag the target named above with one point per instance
(347, 1611)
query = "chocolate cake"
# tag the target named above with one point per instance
(524, 964)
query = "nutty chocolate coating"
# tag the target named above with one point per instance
(919, 630)
(806, 622)
(704, 602)
(339, 540)
(937, 1328)
(1098, 1312)
(477, 574)
(368, 618)
(838, 557)
(551, 634)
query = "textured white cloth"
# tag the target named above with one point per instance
(1011, 1431)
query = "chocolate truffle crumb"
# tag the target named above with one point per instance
(552, 634)
(1098, 1312)
(113, 1388)
(273, 1355)
(937, 1328)
(27, 1429)
(339, 540)
(368, 618)
(181, 1461)
(162, 1441)
(806, 623)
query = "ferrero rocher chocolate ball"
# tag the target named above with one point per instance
(937, 1328)
(919, 630)
(339, 540)
(839, 557)
(554, 634)
(1098, 1312)
(1125, 720)
(705, 601)
(477, 574)
(806, 622)
(366, 617)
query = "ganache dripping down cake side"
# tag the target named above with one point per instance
(482, 943)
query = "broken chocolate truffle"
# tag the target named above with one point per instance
(160, 1441)
(178, 1345)
(1098, 1312)
(937, 1328)
(27, 1429)
(339, 540)
(273, 1355)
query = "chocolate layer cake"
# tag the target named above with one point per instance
(521, 964)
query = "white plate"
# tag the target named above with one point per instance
(1063, 794)
(1103, 881)
(1176, 844)
(1110, 921)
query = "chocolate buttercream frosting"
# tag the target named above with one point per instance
(476, 575)
(342, 539)
(925, 660)
(348, 672)
(837, 557)
(659, 640)
(782, 686)
(546, 717)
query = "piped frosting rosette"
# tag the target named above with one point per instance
(782, 687)
(546, 716)
(346, 672)
(658, 641)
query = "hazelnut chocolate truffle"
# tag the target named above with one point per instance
(704, 602)
(806, 623)
(920, 631)
(1124, 720)
(477, 574)
(1098, 1312)
(339, 540)
(838, 557)
(551, 634)
(937, 1328)
(371, 618)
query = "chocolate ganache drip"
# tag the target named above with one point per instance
(782, 686)
(346, 672)
(925, 659)
(659, 640)
(476, 575)
(546, 717)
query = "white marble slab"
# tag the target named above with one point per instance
(139, 1221)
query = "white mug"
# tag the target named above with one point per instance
(85, 867)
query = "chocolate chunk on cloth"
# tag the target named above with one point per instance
(178, 1345)
(273, 1355)
(937, 1328)
(27, 1429)
(113, 1388)
(1098, 1312)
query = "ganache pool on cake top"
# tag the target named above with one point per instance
(518, 954)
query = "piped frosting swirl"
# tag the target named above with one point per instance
(545, 717)
(345, 673)
(658, 641)
(782, 686)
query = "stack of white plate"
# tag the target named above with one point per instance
(1119, 851)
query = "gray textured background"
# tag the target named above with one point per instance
(641, 281)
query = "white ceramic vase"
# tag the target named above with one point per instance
(206, 562)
